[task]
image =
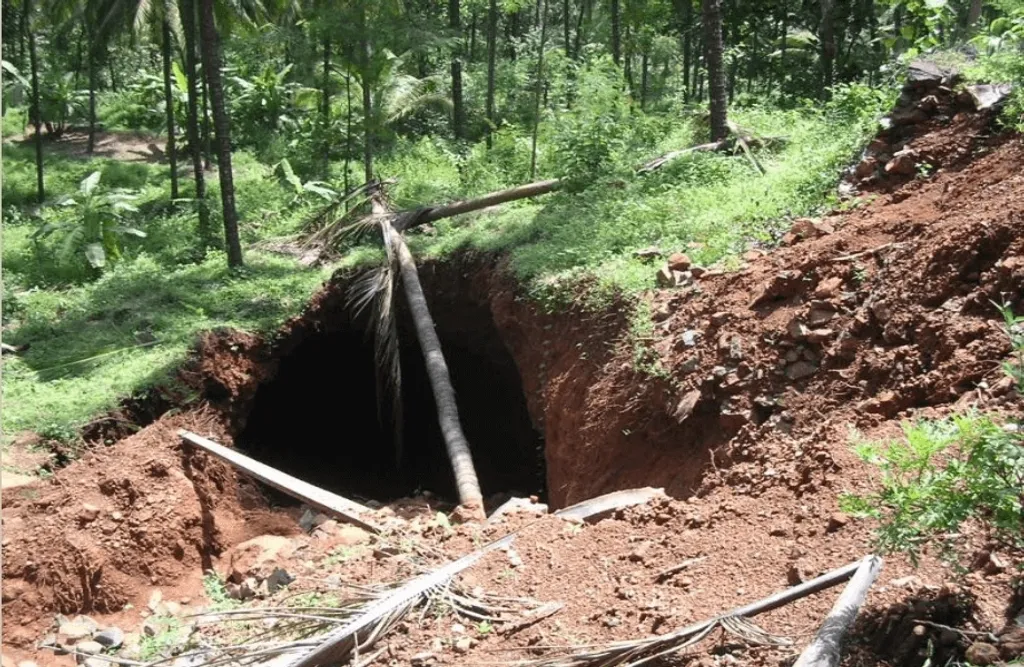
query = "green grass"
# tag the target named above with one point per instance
(97, 341)
(86, 350)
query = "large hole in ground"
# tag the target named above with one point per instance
(317, 419)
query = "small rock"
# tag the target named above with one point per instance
(902, 164)
(73, 630)
(351, 536)
(819, 335)
(514, 559)
(110, 637)
(819, 316)
(278, 579)
(982, 654)
(97, 662)
(837, 521)
(697, 271)
(89, 647)
(665, 277)
(686, 406)
(866, 168)
(719, 318)
(171, 608)
(986, 95)
(996, 564)
(612, 621)
(691, 338)
(458, 629)
(155, 598)
(463, 644)
(796, 329)
(910, 582)
(796, 575)
(650, 252)
(423, 659)
(151, 627)
(88, 513)
(677, 261)
(690, 365)
(800, 370)
(828, 288)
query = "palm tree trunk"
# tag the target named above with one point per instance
(826, 35)
(37, 118)
(222, 126)
(459, 455)
(172, 153)
(472, 37)
(686, 29)
(458, 112)
(207, 139)
(348, 126)
(616, 39)
(368, 124)
(566, 19)
(326, 111)
(91, 142)
(713, 50)
(644, 64)
(542, 10)
(188, 22)
(492, 47)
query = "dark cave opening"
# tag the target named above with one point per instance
(317, 418)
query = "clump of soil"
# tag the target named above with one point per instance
(869, 316)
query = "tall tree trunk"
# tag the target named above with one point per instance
(172, 153)
(542, 9)
(222, 126)
(91, 142)
(584, 12)
(629, 63)
(187, 11)
(110, 72)
(643, 79)
(326, 110)
(826, 35)
(348, 126)
(37, 116)
(459, 455)
(492, 47)
(566, 18)
(458, 113)
(713, 49)
(616, 38)
(207, 135)
(783, 35)
(973, 14)
(685, 10)
(472, 37)
(364, 48)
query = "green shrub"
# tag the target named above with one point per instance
(941, 474)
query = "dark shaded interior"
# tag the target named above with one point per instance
(317, 419)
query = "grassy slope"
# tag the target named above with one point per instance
(86, 338)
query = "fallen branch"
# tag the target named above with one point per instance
(632, 653)
(343, 508)
(662, 160)
(669, 572)
(823, 651)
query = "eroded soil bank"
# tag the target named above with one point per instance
(860, 320)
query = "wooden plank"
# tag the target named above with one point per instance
(330, 503)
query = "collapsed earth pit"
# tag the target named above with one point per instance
(317, 418)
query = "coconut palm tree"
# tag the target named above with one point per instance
(713, 55)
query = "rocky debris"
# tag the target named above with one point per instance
(257, 557)
(423, 659)
(828, 288)
(782, 285)
(110, 637)
(806, 228)
(350, 536)
(677, 261)
(982, 654)
(648, 253)
(836, 521)
(686, 406)
(463, 644)
(903, 163)
(311, 520)
(987, 96)
(800, 369)
(88, 648)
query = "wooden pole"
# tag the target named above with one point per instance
(823, 651)
(343, 508)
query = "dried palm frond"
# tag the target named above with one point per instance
(642, 651)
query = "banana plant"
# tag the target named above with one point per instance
(303, 188)
(61, 102)
(97, 222)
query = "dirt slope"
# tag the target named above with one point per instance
(866, 317)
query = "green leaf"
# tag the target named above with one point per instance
(936, 4)
(908, 32)
(131, 231)
(180, 80)
(13, 71)
(289, 174)
(90, 183)
(95, 255)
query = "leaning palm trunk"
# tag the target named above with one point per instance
(455, 442)
(37, 116)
